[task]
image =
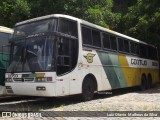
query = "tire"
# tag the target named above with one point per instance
(149, 82)
(143, 85)
(87, 89)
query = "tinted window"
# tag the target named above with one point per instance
(96, 38)
(35, 27)
(63, 46)
(67, 55)
(132, 47)
(106, 41)
(121, 45)
(3, 40)
(86, 36)
(137, 48)
(68, 27)
(143, 51)
(126, 46)
(152, 53)
(155, 54)
(113, 42)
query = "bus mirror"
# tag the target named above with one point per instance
(5, 53)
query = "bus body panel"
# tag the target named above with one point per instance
(111, 69)
(28, 86)
(91, 62)
(31, 89)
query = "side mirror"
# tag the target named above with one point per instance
(5, 53)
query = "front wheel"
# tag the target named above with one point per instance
(87, 89)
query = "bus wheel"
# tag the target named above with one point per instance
(149, 82)
(143, 83)
(87, 89)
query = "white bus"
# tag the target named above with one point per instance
(5, 34)
(59, 55)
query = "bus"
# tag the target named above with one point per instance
(5, 34)
(60, 55)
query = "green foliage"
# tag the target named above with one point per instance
(136, 18)
(13, 11)
(95, 11)
(142, 21)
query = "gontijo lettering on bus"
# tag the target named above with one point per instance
(138, 62)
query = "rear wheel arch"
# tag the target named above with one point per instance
(94, 81)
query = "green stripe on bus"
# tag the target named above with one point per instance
(118, 70)
(109, 69)
(113, 71)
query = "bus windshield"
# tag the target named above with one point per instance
(30, 55)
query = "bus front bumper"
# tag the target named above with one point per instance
(31, 89)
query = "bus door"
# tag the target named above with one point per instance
(67, 52)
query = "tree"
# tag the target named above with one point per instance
(13, 11)
(142, 21)
(95, 11)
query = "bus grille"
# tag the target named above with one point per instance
(17, 79)
(29, 79)
(23, 79)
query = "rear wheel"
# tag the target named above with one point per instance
(149, 82)
(87, 89)
(143, 85)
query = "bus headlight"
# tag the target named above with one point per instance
(8, 80)
(43, 79)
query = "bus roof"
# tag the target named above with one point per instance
(6, 29)
(84, 23)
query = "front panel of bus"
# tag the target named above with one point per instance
(40, 51)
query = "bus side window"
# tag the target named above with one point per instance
(136, 48)
(86, 36)
(106, 41)
(152, 50)
(68, 27)
(120, 44)
(126, 46)
(96, 38)
(155, 57)
(113, 42)
(143, 51)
